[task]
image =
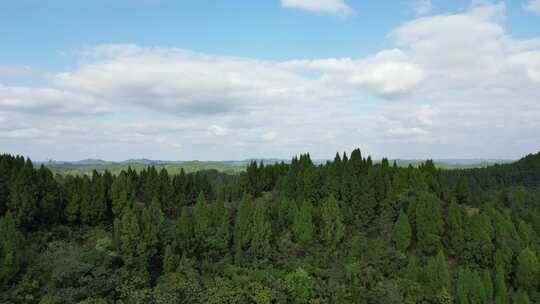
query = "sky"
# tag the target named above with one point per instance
(222, 80)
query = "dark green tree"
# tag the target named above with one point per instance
(527, 270)
(332, 228)
(24, 197)
(10, 254)
(303, 224)
(261, 232)
(401, 233)
(429, 223)
(501, 292)
(300, 286)
(242, 228)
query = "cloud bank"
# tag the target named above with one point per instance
(452, 85)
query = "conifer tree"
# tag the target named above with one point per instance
(462, 286)
(477, 293)
(166, 193)
(287, 212)
(73, 206)
(222, 236)
(501, 293)
(170, 260)
(23, 197)
(119, 193)
(429, 223)
(303, 224)
(129, 236)
(50, 200)
(152, 225)
(488, 284)
(87, 211)
(438, 273)
(10, 241)
(462, 191)
(527, 270)
(332, 230)
(260, 232)
(202, 223)
(456, 233)
(478, 248)
(401, 233)
(185, 237)
(521, 297)
(300, 286)
(242, 227)
(4, 187)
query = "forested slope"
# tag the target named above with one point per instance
(348, 231)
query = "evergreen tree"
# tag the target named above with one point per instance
(166, 193)
(10, 241)
(287, 212)
(521, 297)
(401, 233)
(152, 219)
(120, 193)
(170, 260)
(185, 236)
(439, 278)
(456, 230)
(300, 286)
(478, 248)
(23, 197)
(129, 234)
(73, 205)
(501, 293)
(242, 228)
(429, 223)
(260, 232)
(462, 286)
(303, 224)
(222, 236)
(477, 293)
(527, 270)
(202, 223)
(488, 285)
(332, 229)
(50, 200)
(462, 191)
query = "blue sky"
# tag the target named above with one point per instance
(402, 71)
(40, 33)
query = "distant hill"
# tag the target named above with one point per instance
(86, 166)
(79, 168)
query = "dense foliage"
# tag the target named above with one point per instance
(348, 231)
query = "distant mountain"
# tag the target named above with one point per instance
(449, 163)
(146, 161)
(90, 161)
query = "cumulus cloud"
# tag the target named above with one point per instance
(451, 85)
(533, 6)
(333, 7)
(423, 7)
(46, 100)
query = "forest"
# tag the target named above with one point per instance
(350, 230)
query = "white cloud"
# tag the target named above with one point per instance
(48, 101)
(452, 85)
(423, 7)
(333, 7)
(269, 136)
(217, 130)
(533, 6)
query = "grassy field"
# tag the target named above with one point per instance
(115, 168)
(226, 167)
